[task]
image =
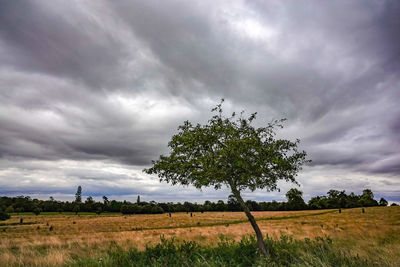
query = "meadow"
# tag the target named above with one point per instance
(53, 239)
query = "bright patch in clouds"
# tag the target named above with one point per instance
(254, 30)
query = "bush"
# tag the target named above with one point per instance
(36, 211)
(4, 216)
(99, 210)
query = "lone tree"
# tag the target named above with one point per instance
(383, 202)
(78, 195)
(229, 151)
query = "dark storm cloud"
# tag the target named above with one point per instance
(60, 38)
(110, 81)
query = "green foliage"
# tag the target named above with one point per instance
(76, 209)
(333, 200)
(138, 209)
(283, 252)
(131, 209)
(78, 195)
(9, 209)
(37, 211)
(105, 201)
(99, 210)
(295, 200)
(383, 202)
(229, 151)
(156, 210)
(4, 215)
(339, 199)
(367, 199)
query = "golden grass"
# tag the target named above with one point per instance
(374, 234)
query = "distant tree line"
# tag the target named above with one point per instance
(333, 200)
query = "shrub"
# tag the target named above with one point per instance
(36, 211)
(76, 209)
(99, 210)
(4, 216)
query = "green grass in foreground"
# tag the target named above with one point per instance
(283, 252)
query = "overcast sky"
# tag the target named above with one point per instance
(92, 91)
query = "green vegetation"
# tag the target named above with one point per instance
(295, 199)
(141, 209)
(334, 200)
(231, 152)
(284, 252)
(339, 199)
(37, 211)
(4, 215)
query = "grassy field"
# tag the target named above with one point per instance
(54, 239)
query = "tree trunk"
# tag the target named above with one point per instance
(260, 241)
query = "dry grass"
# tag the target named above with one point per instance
(374, 234)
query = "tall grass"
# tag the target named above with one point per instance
(284, 252)
(373, 235)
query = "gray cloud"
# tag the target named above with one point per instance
(110, 82)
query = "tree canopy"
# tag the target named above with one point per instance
(229, 150)
(295, 199)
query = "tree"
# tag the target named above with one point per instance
(233, 205)
(295, 199)
(89, 203)
(105, 200)
(99, 210)
(36, 210)
(220, 206)
(138, 200)
(318, 202)
(78, 195)
(333, 198)
(383, 202)
(367, 199)
(4, 215)
(76, 209)
(229, 151)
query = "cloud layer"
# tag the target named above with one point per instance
(90, 92)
